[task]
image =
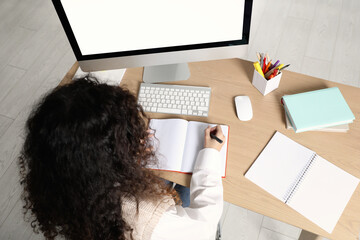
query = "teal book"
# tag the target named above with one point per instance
(317, 109)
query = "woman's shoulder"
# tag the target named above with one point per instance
(144, 215)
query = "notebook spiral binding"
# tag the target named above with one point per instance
(299, 179)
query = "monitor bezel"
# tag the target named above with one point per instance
(80, 57)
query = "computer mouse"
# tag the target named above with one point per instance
(243, 108)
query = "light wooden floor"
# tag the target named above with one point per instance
(318, 38)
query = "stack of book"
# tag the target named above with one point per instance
(320, 110)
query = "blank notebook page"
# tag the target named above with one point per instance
(169, 142)
(195, 142)
(278, 165)
(323, 193)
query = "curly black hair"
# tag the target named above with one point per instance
(86, 147)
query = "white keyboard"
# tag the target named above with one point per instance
(175, 99)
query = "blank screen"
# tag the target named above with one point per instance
(106, 26)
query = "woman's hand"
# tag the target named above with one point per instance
(212, 143)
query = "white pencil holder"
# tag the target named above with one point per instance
(265, 86)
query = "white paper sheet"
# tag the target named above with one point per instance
(278, 165)
(195, 142)
(324, 193)
(170, 140)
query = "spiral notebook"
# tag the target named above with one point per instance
(305, 181)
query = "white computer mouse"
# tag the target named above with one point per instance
(243, 108)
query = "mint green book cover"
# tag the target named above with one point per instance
(317, 109)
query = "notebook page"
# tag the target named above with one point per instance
(170, 137)
(279, 165)
(195, 142)
(323, 193)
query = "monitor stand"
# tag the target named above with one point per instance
(166, 73)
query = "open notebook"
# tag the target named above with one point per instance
(299, 177)
(178, 143)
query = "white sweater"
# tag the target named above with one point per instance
(200, 219)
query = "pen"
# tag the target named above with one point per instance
(258, 69)
(273, 74)
(267, 75)
(264, 65)
(275, 64)
(284, 67)
(216, 138)
(258, 56)
(267, 67)
(276, 72)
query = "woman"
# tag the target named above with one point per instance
(83, 168)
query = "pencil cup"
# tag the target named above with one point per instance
(265, 86)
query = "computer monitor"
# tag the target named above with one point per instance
(162, 35)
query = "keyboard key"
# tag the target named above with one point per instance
(202, 108)
(169, 110)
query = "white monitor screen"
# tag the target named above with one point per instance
(106, 26)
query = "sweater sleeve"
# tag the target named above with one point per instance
(200, 219)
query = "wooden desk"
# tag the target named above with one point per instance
(229, 78)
